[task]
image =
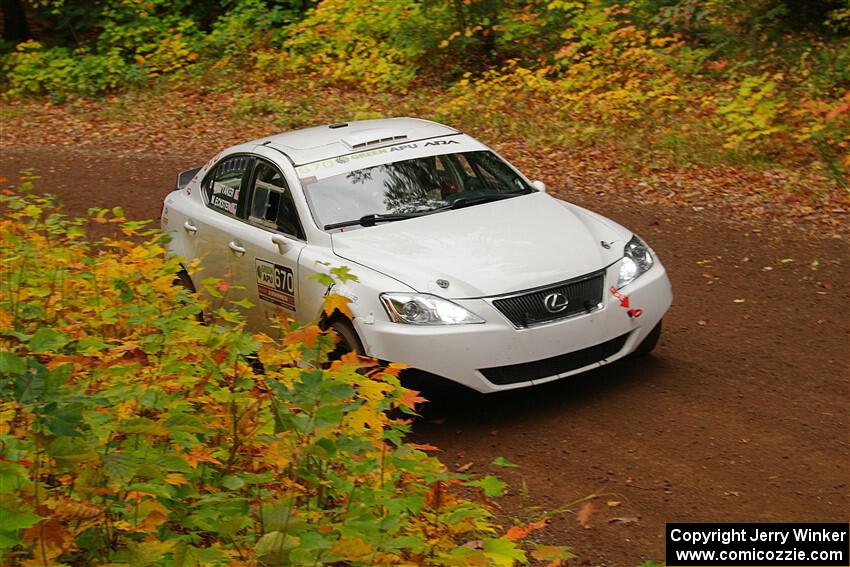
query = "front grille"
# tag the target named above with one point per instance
(583, 295)
(546, 367)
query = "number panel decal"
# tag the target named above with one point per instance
(276, 284)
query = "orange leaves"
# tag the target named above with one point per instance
(200, 454)
(306, 335)
(517, 533)
(67, 509)
(584, 514)
(50, 538)
(411, 398)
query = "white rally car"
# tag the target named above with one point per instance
(466, 269)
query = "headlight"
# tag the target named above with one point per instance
(424, 309)
(637, 259)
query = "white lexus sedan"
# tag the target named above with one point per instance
(465, 269)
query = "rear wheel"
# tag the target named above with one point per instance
(347, 339)
(183, 280)
(648, 344)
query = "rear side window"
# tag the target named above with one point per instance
(271, 202)
(223, 185)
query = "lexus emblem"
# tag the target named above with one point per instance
(555, 302)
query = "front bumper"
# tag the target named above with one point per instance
(493, 356)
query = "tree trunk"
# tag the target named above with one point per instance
(15, 28)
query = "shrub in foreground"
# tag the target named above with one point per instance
(131, 434)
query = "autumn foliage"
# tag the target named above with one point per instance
(133, 434)
(656, 83)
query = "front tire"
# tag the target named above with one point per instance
(649, 343)
(347, 339)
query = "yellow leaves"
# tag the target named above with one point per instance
(352, 549)
(364, 418)
(149, 552)
(373, 390)
(276, 454)
(6, 319)
(175, 479)
(145, 517)
(336, 302)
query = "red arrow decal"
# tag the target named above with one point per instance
(624, 299)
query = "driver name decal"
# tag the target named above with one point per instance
(224, 197)
(276, 284)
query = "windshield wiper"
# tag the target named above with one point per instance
(461, 202)
(371, 220)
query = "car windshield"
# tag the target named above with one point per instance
(401, 189)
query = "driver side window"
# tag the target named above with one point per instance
(222, 186)
(271, 202)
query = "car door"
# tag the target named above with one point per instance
(214, 225)
(267, 272)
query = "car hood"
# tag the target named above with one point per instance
(488, 249)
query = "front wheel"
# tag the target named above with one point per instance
(649, 343)
(347, 339)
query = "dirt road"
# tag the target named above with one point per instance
(741, 415)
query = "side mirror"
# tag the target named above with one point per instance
(539, 185)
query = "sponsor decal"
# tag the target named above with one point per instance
(319, 166)
(404, 147)
(276, 284)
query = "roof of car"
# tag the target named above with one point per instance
(324, 142)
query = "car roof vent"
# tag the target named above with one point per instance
(372, 137)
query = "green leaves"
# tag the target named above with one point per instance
(503, 462)
(130, 418)
(11, 520)
(11, 363)
(46, 339)
(490, 484)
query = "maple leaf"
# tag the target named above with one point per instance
(411, 398)
(306, 335)
(198, 454)
(584, 513)
(50, 538)
(517, 533)
(336, 302)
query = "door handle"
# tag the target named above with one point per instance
(189, 227)
(281, 243)
(237, 248)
